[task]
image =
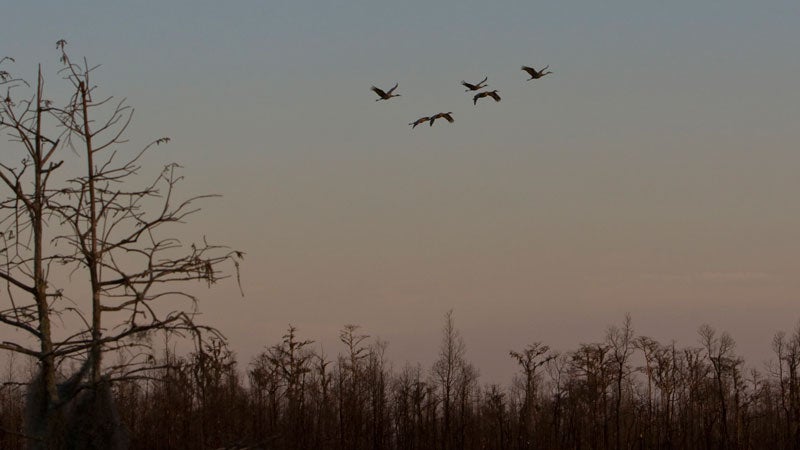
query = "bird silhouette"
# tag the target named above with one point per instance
(492, 94)
(446, 115)
(534, 74)
(475, 87)
(419, 121)
(385, 95)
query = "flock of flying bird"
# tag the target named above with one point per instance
(386, 95)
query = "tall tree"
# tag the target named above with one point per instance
(109, 235)
(719, 350)
(446, 372)
(621, 343)
(530, 359)
(25, 261)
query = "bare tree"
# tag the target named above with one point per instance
(620, 341)
(24, 264)
(591, 368)
(446, 372)
(377, 386)
(290, 362)
(719, 351)
(351, 389)
(97, 226)
(530, 359)
(787, 372)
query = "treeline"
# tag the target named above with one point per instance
(626, 391)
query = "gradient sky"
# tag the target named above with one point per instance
(655, 172)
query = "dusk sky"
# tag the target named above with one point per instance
(656, 171)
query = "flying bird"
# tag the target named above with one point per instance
(385, 95)
(446, 115)
(492, 94)
(534, 74)
(419, 121)
(475, 87)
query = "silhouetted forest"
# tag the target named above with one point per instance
(625, 391)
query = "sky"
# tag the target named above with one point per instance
(655, 172)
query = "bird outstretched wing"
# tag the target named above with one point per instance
(378, 91)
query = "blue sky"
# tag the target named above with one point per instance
(654, 172)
